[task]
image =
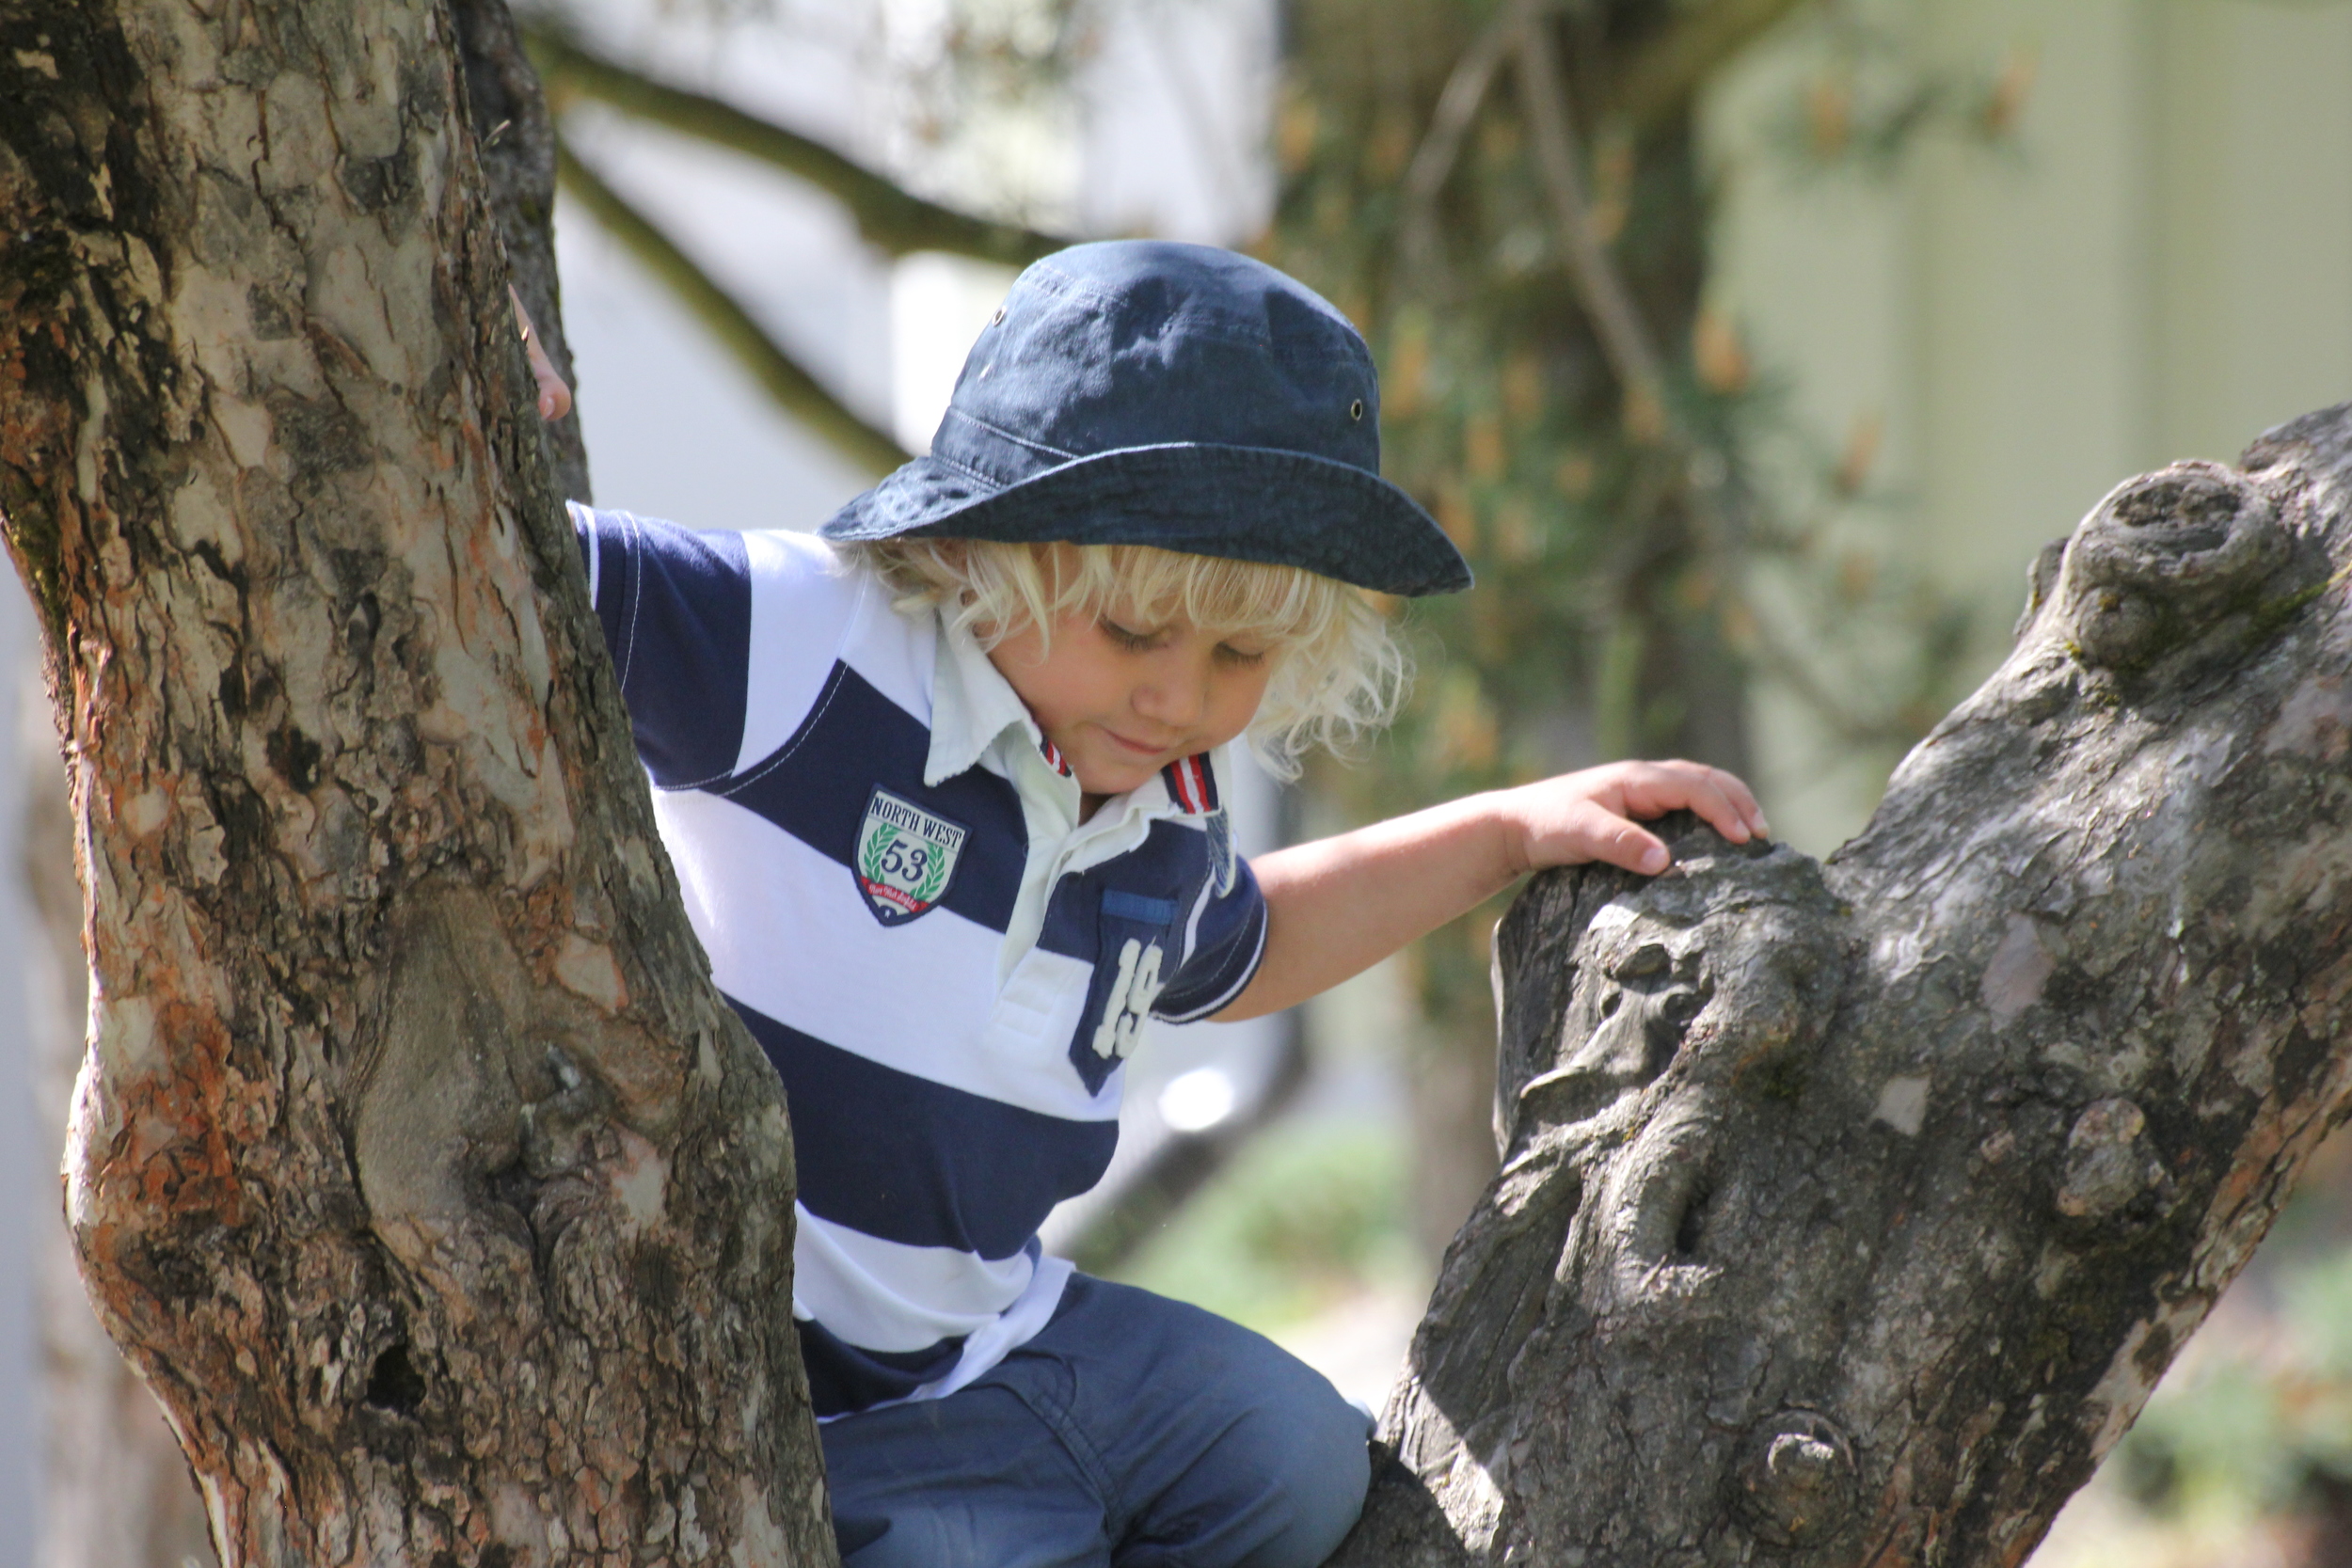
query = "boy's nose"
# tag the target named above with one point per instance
(1177, 698)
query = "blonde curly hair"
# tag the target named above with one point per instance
(1338, 674)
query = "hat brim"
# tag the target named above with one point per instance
(1242, 503)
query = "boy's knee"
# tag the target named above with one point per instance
(1295, 1465)
(1316, 1443)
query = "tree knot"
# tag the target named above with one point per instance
(1796, 1479)
(2112, 1172)
(2170, 556)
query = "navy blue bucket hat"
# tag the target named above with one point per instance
(1143, 392)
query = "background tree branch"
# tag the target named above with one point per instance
(1658, 84)
(784, 379)
(1440, 146)
(1615, 321)
(889, 217)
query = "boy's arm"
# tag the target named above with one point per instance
(1338, 906)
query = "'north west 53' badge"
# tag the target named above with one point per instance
(905, 858)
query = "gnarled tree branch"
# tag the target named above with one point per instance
(1850, 1213)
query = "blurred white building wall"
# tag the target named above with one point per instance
(2157, 263)
(29, 1148)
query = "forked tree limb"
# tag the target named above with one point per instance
(1599, 287)
(1440, 148)
(1850, 1212)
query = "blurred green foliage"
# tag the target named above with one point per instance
(1313, 1212)
(2257, 1417)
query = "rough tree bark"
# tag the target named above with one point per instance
(114, 1491)
(438, 1199)
(117, 1492)
(1850, 1212)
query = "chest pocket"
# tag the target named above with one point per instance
(1135, 960)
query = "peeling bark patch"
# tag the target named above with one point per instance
(2019, 968)
(2110, 1167)
(589, 969)
(1796, 1479)
(1903, 1104)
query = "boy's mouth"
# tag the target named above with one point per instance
(1139, 748)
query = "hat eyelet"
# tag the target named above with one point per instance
(999, 319)
(1356, 410)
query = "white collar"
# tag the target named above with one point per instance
(971, 705)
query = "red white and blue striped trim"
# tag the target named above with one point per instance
(1192, 784)
(1053, 759)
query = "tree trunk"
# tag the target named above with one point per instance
(517, 145)
(427, 1183)
(1850, 1212)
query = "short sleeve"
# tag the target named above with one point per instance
(1224, 946)
(675, 608)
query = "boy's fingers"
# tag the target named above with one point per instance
(1607, 836)
(1687, 785)
(555, 396)
(1720, 798)
(1638, 851)
(1744, 799)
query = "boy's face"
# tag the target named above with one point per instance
(1122, 700)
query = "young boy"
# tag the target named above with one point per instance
(942, 787)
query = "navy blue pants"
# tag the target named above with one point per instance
(1133, 1431)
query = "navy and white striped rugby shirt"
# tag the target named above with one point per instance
(883, 856)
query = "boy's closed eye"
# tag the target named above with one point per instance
(1243, 652)
(1135, 641)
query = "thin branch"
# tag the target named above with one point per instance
(781, 376)
(1661, 80)
(1441, 147)
(1623, 338)
(1710, 499)
(889, 218)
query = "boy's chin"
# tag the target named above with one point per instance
(1116, 778)
(1102, 770)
